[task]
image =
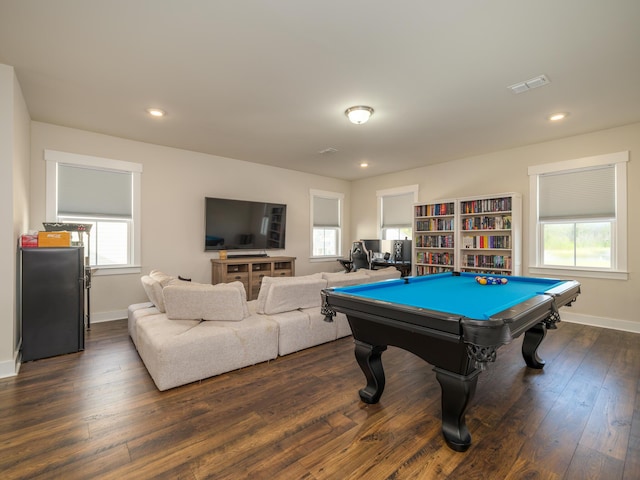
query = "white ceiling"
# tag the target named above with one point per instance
(268, 81)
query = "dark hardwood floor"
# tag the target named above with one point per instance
(98, 415)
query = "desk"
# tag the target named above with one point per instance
(453, 323)
(403, 266)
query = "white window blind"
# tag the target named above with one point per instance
(580, 194)
(397, 210)
(105, 193)
(326, 212)
(94, 192)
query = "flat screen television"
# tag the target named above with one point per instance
(244, 225)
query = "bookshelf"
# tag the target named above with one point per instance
(481, 234)
(276, 227)
(491, 234)
(434, 237)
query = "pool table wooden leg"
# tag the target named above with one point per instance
(457, 392)
(368, 357)
(530, 343)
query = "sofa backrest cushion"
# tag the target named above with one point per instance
(382, 274)
(153, 289)
(226, 302)
(284, 294)
(243, 293)
(342, 279)
(161, 277)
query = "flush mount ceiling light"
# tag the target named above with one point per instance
(359, 114)
(156, 112)
(364, 164)
(558, 116)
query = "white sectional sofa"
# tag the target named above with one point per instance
(189, 331)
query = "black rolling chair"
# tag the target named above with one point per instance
(360, 256)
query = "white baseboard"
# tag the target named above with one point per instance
(10, 368)
(612, 323)
(108, 316)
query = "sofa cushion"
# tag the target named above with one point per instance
(177, 352)
(342, 325)
(153, 289)
(161, 277)
(243, 293)
(177, 281)
(300, 329)
(207, 302)
(284, 294)
(382, 274)
(342, 279)
(138, 310)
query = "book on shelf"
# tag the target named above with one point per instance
(487, 223)
(502, 204)
(501, 262)
(486, 241)
(434, 241)
(434, 209)
(435, 258)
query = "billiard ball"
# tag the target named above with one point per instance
(491, 280)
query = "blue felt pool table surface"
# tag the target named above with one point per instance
(454, 294)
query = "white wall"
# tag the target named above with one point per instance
(14, 180)
(613, 303)
(174, 185)
(175, 182)
(21, 174)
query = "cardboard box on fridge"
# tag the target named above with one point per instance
(54, 239)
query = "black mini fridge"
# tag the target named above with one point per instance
(52, 301)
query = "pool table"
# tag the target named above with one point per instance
(452, 322)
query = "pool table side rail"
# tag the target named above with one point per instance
(503, 327)
(564, 294)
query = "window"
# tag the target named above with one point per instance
(578, 213)
(326, 221)
(104, 193)
(395, 212)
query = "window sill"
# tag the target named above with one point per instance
(579, 272)
(324, 259)
(98, 271)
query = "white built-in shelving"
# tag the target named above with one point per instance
(480, 234)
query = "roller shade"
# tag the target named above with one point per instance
(580, 194)
(94, 192)
(397, 210)
(326, 212)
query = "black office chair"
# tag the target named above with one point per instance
(360, 256)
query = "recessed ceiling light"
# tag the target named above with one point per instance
(156, 112)
(558, 116)
(364, 164)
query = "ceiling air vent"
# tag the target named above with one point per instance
(327, 151)
(530, 84)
